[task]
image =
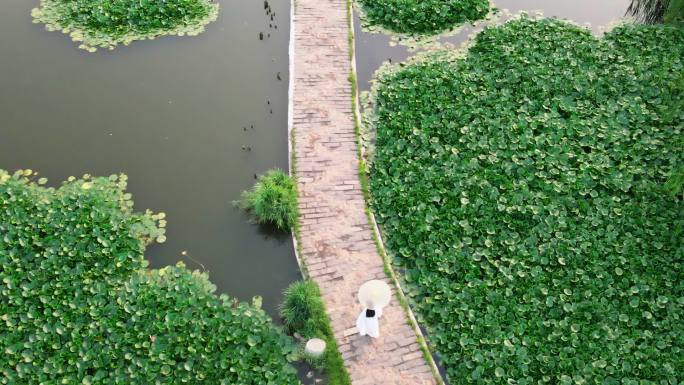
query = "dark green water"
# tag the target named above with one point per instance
(169, 113)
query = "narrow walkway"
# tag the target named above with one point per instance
(336, 238)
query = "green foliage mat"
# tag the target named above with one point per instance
(77, 305)
(521, 191)
(108, 23)
(422, 16)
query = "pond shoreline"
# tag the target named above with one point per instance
(188, 121)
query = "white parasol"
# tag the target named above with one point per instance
(375, 294)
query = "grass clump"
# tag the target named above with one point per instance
(303, 312)
(108, 23)
(523, 191)
(422, 17)
(272, 200)
(78, 306)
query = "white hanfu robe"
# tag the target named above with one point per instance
(369, 325)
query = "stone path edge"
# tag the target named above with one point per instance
(376, 233)
(291, 164)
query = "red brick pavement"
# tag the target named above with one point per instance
(336, 237)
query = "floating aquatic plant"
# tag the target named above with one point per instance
(78, 306)
(108, 23)
(303, 312)
(422, 17)
(272, 200)
(523, 190)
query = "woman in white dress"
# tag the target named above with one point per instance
(368, 324)
(374, 295)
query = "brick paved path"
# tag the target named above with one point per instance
(336, 237)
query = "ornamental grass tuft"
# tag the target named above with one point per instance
(302, 309)
(303, 312)
(272, 200)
